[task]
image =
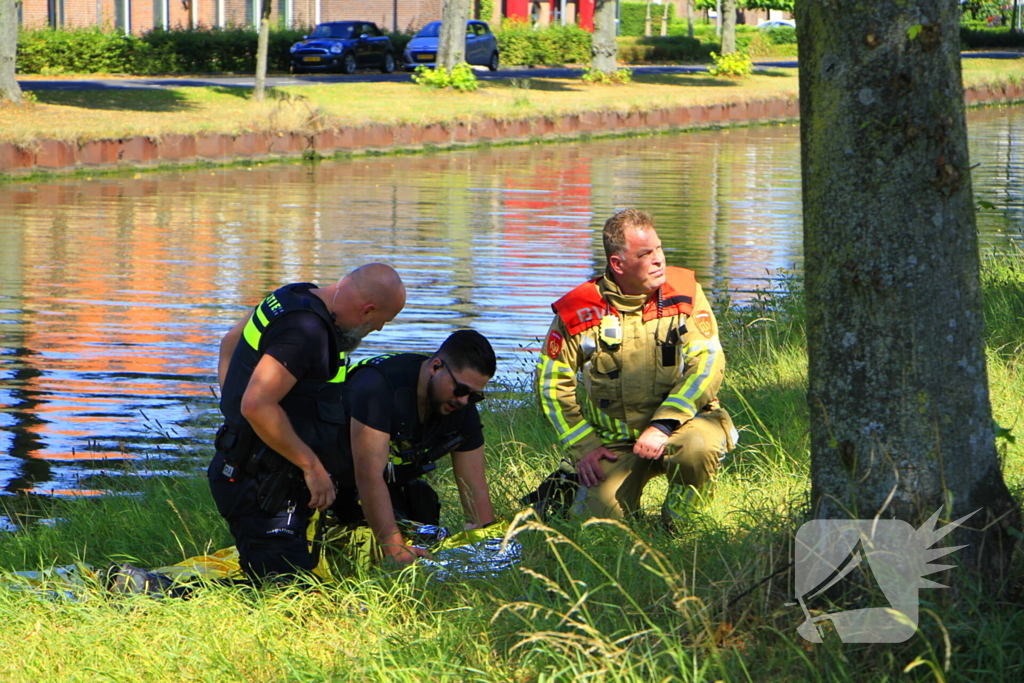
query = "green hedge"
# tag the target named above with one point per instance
(977, 38)
(521, 45)
(399, 39)
(783, 35)
(228, 50)
(90, 50)
(664, 49)
(78, 51)
(633, 16)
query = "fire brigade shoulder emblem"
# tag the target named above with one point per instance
(702, 319)
(553, 346)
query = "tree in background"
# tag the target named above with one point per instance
(986, 11)
(781, 5)
(604, 47)
(9, 88)
(262, 47)
(728, 26)
(901, 423)
(451, 43)
(723, 12)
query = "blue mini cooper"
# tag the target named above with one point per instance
(343, 46)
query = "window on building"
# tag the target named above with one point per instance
(122, 15)
(55, 13)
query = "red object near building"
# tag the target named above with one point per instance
(552, 12)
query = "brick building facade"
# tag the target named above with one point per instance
(139, 16)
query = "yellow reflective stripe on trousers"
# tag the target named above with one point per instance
(550, 371)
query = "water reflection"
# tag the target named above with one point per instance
(115, 291)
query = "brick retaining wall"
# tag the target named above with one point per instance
(141, 151)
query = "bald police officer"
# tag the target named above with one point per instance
(282, 368)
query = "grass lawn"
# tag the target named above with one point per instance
(101, 114)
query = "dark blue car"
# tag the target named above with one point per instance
(481, 46)
(343, 46)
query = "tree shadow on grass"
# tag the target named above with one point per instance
(117, 99)
(537, 84)
(242, 93)
(688, 80)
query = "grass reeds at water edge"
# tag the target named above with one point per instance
(597, 601)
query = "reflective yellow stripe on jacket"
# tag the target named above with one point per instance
(552, 373)
(704, 361)
(260, 318)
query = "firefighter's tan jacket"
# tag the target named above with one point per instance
(669, 364)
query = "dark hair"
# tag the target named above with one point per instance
(616, 226)
(468, 348)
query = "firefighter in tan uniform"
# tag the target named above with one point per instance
(645, 341)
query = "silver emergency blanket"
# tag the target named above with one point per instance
(467, 554)
(483, 559)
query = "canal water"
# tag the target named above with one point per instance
(114, 291)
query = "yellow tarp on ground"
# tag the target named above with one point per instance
(344, 550)
(219, 565)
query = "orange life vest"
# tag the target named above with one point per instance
(583, 307)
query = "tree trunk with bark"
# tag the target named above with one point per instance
(647, 21)
(901, 423)
(604, 48)
(9, 88)
(262, 47)
(689, 18)
(728, 27)
(451, 44)
(664, 19)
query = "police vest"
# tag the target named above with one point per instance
(583, 307)
(408, 460)
(314, 405)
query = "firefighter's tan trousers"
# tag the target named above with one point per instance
(693, 454)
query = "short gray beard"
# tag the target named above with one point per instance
(349, 340)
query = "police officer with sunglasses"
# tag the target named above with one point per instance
(405, 412)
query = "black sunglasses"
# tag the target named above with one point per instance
(463, 389)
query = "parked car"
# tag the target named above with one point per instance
(481, 46)
(343, 46)
(776, 23)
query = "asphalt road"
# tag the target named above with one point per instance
(86, 83)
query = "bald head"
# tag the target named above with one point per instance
(379, 284)
(364, 300)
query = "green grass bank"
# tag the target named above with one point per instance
(82, 116)
(596, 601)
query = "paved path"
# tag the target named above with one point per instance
(87, 83)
